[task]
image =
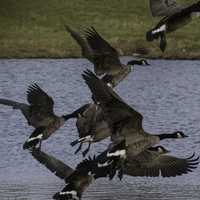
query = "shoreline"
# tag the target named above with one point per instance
(152, 57)
(36, 29)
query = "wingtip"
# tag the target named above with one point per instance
(33, 86)
(87, 74)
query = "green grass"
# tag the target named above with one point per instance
(35, 28)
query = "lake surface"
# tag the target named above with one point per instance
(167, 93)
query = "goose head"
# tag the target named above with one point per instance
(179, 134)
(138, 62)
(174, 135)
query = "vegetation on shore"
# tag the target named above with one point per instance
(35, 29)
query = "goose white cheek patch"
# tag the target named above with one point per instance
(35, 138)
(162, 28)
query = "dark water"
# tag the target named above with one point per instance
(167, 93)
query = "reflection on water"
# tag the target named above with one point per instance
(167, 93)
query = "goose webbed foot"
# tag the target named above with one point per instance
(79, 148)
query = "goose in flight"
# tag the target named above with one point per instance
(147, 164)
(127, 133)
(174, 17)
(104, 57)
(152, 162)
(39, 114)
(92, 127)
(77, 180)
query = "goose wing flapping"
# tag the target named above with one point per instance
(106, 58)
(39, 100)
(85, 48)
(54, 165)
(115, 108)
(151, 164)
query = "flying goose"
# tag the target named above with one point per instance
(174, 17)
(92, 127)
(77, 180)
(39, 114)
(170, 165)
(125, 123)
(104, 57)
(154, 162)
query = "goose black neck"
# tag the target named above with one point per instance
(166, 136)
(69, 116)
(135, 62)
(76, 113)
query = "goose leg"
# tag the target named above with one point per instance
(163, 41)
(86, 151)
(79, 148)
(121, 169)
(121, 173)
(112, 171)
(40, 144)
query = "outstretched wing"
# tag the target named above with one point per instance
(116, 110)
(148, 164)
(54, 165)
(85, 48)
(106, 58)
(161, 8)
(39, 100)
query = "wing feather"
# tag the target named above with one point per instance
(156, 164)
(54, 165)
(106, 58)
(39, 100)
(112, 105)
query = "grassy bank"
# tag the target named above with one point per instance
(35, 28)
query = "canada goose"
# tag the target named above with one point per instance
(80, 179)
(104, 57)
(154, 162)
(39, 114)
(92, 127)
(125, 123)
(175, 16)
(151, 162)
(76, 180)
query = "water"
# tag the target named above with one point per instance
(167, 93)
